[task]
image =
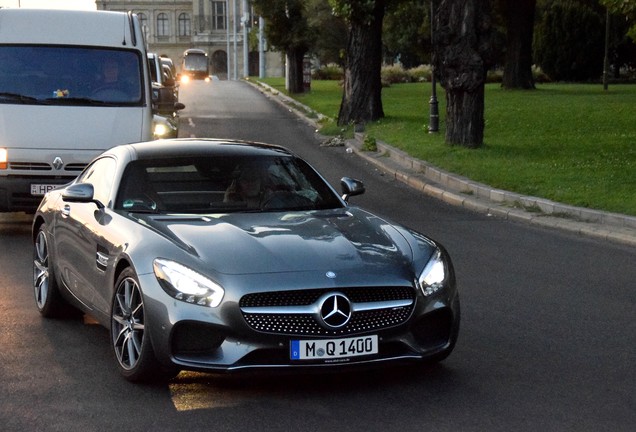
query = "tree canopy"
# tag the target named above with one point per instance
(626, 8)
(288, 29)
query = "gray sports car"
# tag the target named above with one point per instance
(218, 255)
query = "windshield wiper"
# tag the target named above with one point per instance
(17, 97)
(77, 101)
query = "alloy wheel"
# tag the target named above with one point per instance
(41, 276)
(128, 323)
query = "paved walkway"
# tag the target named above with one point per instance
(460, 191)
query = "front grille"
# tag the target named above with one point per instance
(30, 166)
(42, 166)
(75, 167)
(370, 316)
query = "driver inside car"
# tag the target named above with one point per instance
(249, 187)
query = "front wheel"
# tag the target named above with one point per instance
(130, 340)
(47, 296)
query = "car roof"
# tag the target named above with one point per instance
(200, 147)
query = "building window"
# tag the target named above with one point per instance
(163, 28)
(184, 24)
(143, 19)
(218, 15)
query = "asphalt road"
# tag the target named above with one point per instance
(547, 339)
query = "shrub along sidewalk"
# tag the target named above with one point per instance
(570, 143)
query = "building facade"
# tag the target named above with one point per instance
(219, 27)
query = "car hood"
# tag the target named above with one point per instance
(245, 243)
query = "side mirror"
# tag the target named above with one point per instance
(165, 101)
(351, 187)
(81, 193)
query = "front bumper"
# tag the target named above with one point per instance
(15, 191)
(198, 338)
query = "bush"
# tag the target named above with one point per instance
(395, 74)
(421, 73)
(329, 72)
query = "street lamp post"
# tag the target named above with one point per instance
(433, 123)
(606, 55)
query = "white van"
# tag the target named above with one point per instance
(72, 84)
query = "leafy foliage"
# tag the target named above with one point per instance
(626, 8)
(287, 25)
(559, 48)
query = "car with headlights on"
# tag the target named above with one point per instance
(220, 255)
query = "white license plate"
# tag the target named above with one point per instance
(324, 349)
(41, 189)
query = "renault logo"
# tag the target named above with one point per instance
(58, 163)
(335, 310)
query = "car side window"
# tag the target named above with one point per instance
(100, 175)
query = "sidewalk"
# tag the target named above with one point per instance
(460, 191)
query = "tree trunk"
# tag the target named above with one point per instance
(465, 117)
(520, 26)
(362, 93)
(295, 70)
(462, 54)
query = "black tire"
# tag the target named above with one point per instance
(131, 343)
(47, 295)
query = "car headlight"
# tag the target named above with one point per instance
(162, 127)
(433, 277)
(187, 285)
(161, 130)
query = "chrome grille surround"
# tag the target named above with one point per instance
(297, 313)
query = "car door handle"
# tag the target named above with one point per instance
(66, 211)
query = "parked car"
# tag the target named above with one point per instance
(167, 61)
(216, 255)
(165, 97)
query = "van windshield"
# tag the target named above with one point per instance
(61, 75)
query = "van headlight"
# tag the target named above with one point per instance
(433, 277)
(4, 158)
(187, 285)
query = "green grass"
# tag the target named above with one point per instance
(570, 143)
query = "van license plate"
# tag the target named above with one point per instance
(41, 189)
(323, 349)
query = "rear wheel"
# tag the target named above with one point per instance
(130, 340)
(47, 296)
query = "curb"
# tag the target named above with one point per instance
(460, 191)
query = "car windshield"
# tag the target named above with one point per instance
(223, 185)
(62, 75)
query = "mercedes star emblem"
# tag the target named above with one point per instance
(335, 310)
